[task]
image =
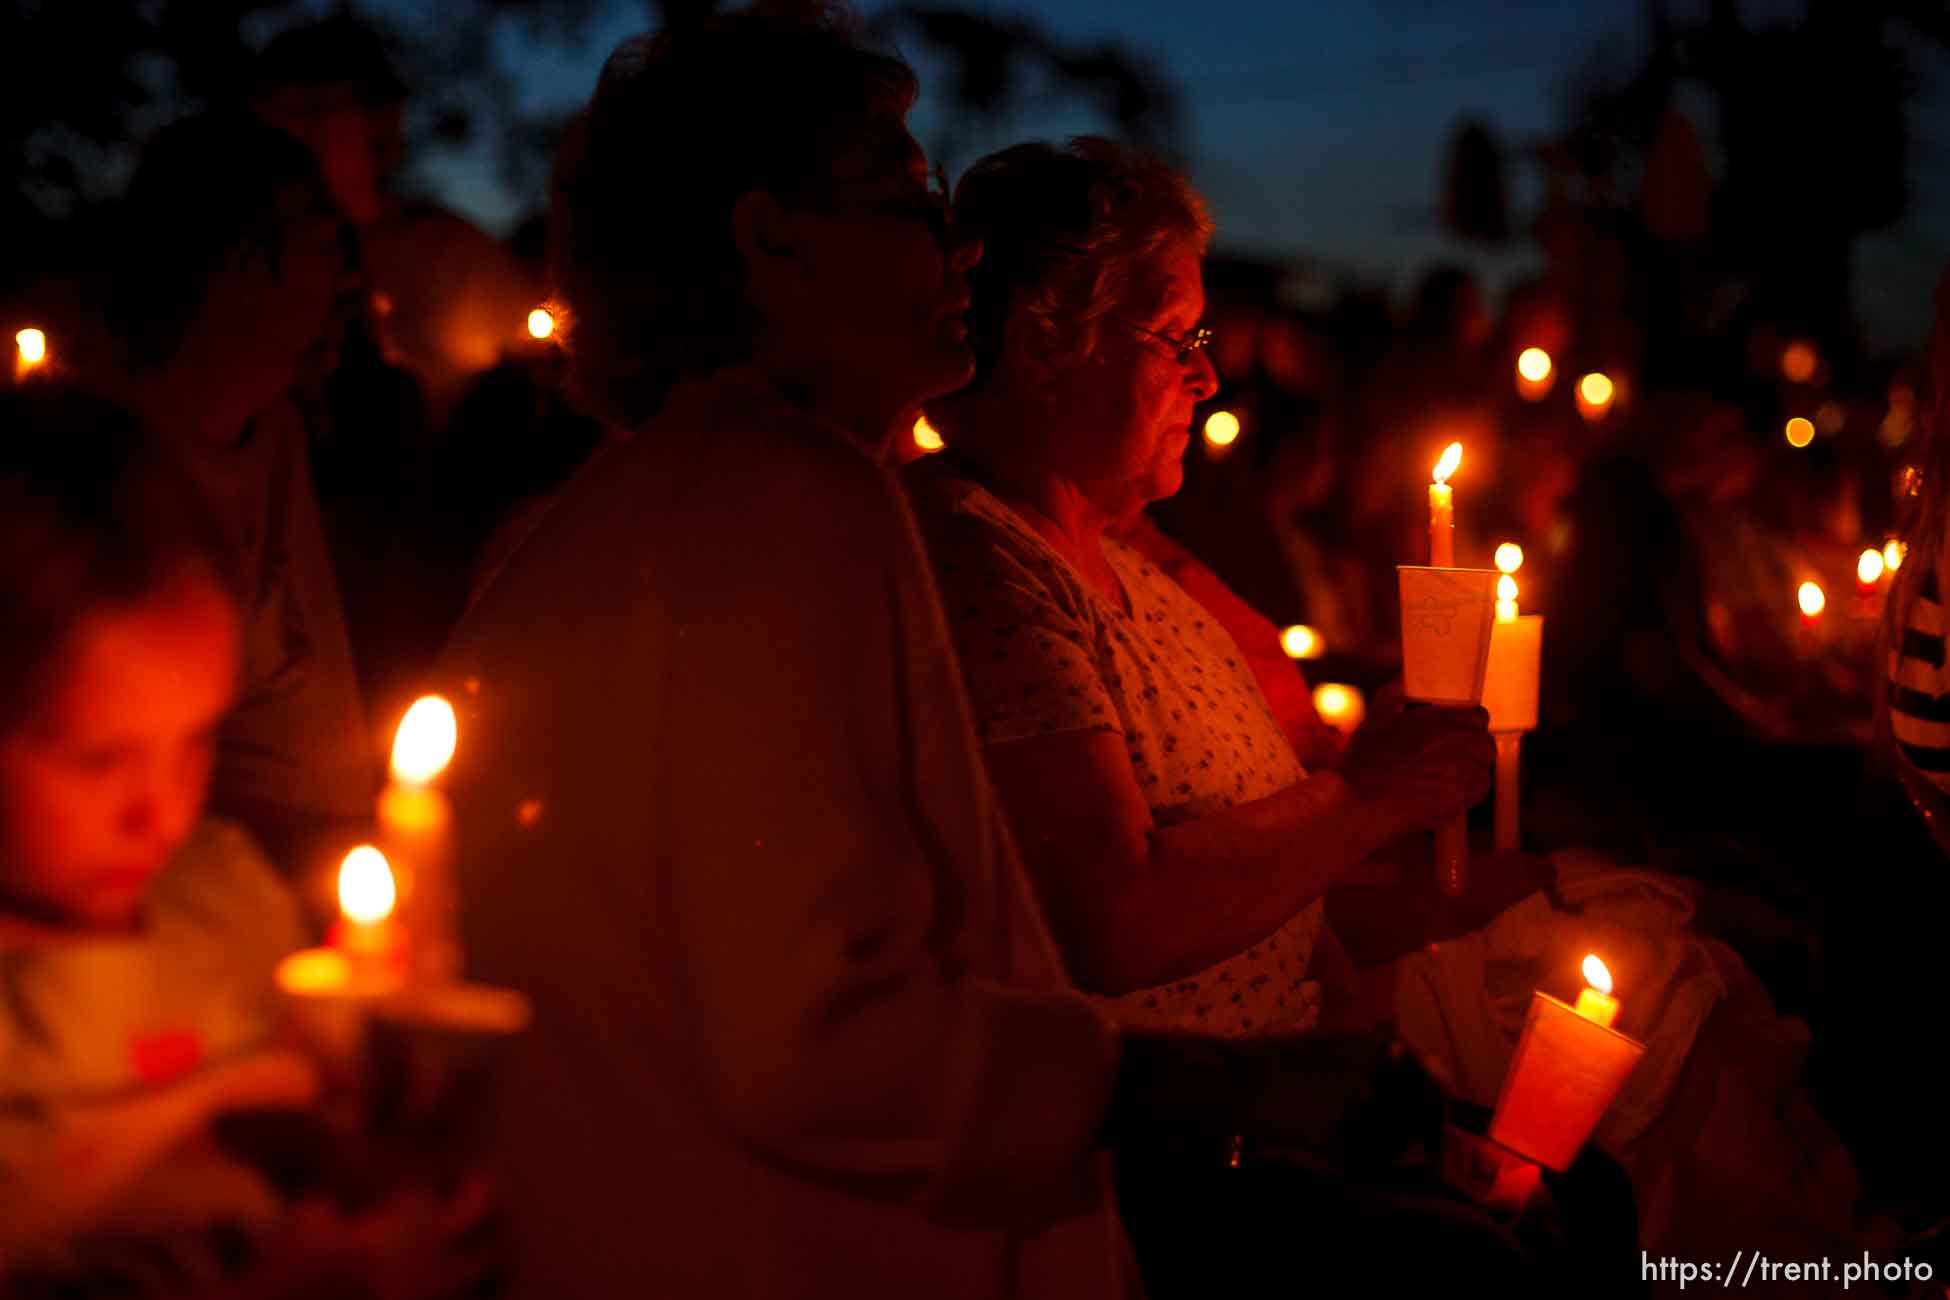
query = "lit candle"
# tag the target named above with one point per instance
(1868, 572)
(1302, 642)
(1569, 1065)
(1892, 555)
(1341, 707)
(416, 826)
(1442, 510)
(927, 438)
(1595, 394)
(1535, 374)
(30, 352)
(1506, 599)
(1812, 601)
(1596, 1003)
(541, 323)
(372, 942)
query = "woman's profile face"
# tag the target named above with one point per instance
(1133, 398)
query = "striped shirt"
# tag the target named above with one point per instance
(1919, 688)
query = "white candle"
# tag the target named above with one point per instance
(1442, 510)
(416, 826)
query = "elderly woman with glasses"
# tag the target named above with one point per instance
(1180, 848)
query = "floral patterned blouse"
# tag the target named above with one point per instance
(1044, 652)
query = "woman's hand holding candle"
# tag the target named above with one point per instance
(1426, 765)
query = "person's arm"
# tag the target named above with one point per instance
(1136, 904)
(849, 921)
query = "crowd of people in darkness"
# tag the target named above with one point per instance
(925, 862)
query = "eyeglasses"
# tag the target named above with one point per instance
(1196, 339)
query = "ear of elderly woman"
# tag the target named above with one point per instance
(1179, 847)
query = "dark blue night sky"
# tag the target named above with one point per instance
(1318, 131)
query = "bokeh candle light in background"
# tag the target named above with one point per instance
(1221, 431)
(30, 352)
(1800, 431)
(1812, 600)
(541, 323)
(926, 436)
(1340, 706)
(1535, 374)
(1302, 642)
(1892, 555)
(1595, 394)
(1869, 568)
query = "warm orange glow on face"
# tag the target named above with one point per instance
(926, 436)
(1534, 364)
(1301, 642)
(424, 743)
(1451, 458)
(1800, 432)
(1798, 361)
(1892, 555)
(1222, 429)
(1596, 389)
(366, 890)
(32, 346)
(1595, 973)
(1509, 557)
(541, 323)
(1812, 598)
(1868, 568)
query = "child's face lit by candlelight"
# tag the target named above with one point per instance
(104, 776)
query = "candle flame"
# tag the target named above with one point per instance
(1868, 569)
(1534, 364)
(1222, 429)
(1340, 706)
(1506, 588)
(1509, 557)
(926, 436)
(1800, 431)
(424, 743)
(366, 890)
(1451, 458)
(32, 345)
(1893, 554)
(1813, 599)
(1596, 974)
(1301, 642)
(541, 323)
(1596, 389)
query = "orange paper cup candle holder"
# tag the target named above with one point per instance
(1569, 1065)
(1446, 628)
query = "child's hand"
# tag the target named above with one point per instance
(412, 1246)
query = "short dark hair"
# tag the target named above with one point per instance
(93, 514)
(681, 125)
(205, 188)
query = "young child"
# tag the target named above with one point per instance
(137, 938)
